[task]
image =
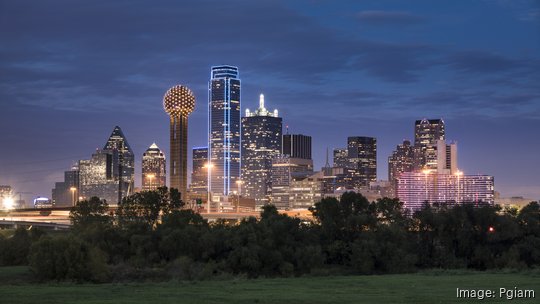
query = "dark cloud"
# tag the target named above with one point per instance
(389, 18)
(482, 62)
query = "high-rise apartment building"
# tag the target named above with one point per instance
(426, 134)
(178, 102)
(261, 142)
(126, 162)
(154, 172)
(224, 129)
(416, 188)
(199, 175)
(297, 146)
(362, 157)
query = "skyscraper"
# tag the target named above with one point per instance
(362, 155)
(341, 158)
(126, 162)
(401, 160)
(261, 141)
(224, 129)
(297, 146)
(285, 170)
(199, 175)
(99, 176)
(426, 134)
(178, 102)
(154, 173)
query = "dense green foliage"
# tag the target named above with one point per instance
(152, 237)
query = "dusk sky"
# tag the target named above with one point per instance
(72, 70)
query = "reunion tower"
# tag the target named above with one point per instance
(179, 102)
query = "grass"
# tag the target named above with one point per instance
(428, 287)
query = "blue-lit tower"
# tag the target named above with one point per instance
(224, 130)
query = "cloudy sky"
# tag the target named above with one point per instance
(72, 70)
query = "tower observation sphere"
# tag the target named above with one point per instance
(178, 102)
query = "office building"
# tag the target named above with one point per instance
(98, 176)
(224, 129)
(341, 158)
(126, 162)
(261, 142)
(285, 170)
(416, 188)
(178, 102)
(199, 175)
(426, 134)
(401, 160)
(362, 158)
(66, 193)
(297, 146)
(154, 172)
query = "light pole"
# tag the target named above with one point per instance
(208, 166)
(73, 189)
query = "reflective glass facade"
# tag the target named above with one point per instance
(224, 129)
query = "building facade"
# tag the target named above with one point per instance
(199, 175)
(98, 176)
(67, 193)
(261, 142)
(426, 134)
(224, 129)
(362, 158)
(285, 170)
(154, 172)
(401, 160)
(297, 146)
(416, 188)
(126, 162)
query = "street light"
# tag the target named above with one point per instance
(9, 203)
(73, 189)
(208, 166)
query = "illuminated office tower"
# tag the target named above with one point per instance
(401, 160)
(341, 158)
(178, 102)
(261, 142)
(154, 173)
(99, 176)
(362, 155)
(286, 170)
(426, 134)
(126, 162)
(224, 129)
(199, 175)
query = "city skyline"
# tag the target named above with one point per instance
(57, 103)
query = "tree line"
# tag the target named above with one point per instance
(151, 237)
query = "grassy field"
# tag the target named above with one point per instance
(429, 287)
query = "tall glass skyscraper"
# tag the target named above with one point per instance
(224, 129)
(154, 173)
(426, 134)
(126, 162)
(261, 142)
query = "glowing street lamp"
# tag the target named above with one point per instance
(208, 166)
(73, 190)
(9, 203)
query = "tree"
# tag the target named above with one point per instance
(90, 212)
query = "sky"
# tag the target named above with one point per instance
(72, 70)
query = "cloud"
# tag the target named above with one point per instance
(389, 18)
